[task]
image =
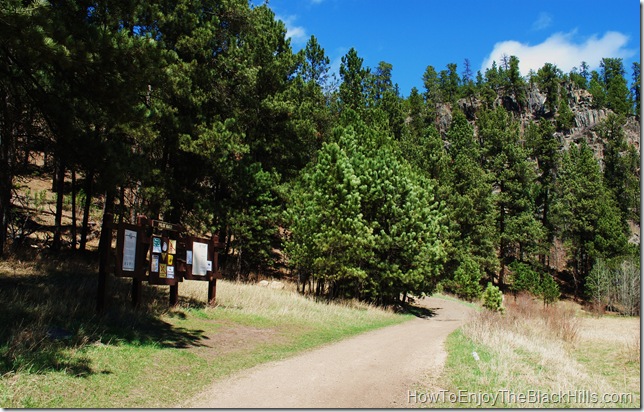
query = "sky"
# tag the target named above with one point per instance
(413, 34)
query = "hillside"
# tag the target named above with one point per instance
(202, 114)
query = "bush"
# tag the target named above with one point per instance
(615, 284)
(466, 282)
(493, 298)
(525, 279)
(549, 290)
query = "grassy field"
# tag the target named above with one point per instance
(536, 356)
(56, 353)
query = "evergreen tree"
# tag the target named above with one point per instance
(578, 79)
(417, 116)
(565, 116)
(470, 200)
(315, 65)
(617, 93)
(545, 148)
(432, 92)
(354, 77)
(449, 84)
(596, 88)
(585, 213)
(635, 88)
(548, 81)
(520, 233)
(363, 223)
(466, 281)
(516, 82)
(621, 170)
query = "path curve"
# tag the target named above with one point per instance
(372, 370)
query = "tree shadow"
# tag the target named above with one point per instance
(419, 311)
(49, 314)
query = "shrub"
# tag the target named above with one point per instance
(549, 290)
(615, 283)
(493, 298)
(525, 279)
(466, 282)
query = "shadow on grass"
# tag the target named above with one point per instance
(49, 314)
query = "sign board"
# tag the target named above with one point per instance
(163, 262)
(201, 259)
(160, 253)
(130, 251)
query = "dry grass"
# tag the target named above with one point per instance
(282, 304)
(551, 349)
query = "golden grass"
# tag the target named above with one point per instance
(546, 350)
(283, 304)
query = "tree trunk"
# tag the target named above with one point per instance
(60, 192)
(108, 213)
(73, 232)
(122, 205)
(86, 209)
(502, 247)
(7, 144)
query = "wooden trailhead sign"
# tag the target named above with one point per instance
(160, 253)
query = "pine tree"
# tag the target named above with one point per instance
(585, 213)
(635, 88)
(520, 233)
(363, 222)
(545, 148)
(617, 93)
(548, 81)
(621, 171)
(470, 200)
(432, 93)
(354, 77)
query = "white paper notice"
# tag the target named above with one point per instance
(199, 258)
(170, 272)
(129, 250)
(189, 257)
(155, 264)
(209, 266)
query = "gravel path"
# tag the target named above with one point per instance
(372, 370)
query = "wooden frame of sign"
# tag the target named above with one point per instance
(162, 267)
(201, 259)
(140, 257)
(131, 252)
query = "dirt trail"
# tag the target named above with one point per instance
(372, 370)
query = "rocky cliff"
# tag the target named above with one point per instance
(586, 118)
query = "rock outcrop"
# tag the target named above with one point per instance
(586, 117)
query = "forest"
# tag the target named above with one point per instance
(201, 113)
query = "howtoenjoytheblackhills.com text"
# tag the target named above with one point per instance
(508, 397)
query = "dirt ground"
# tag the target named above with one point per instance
(372, 370)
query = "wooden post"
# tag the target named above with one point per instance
(212, 292)
(136, 292)
(106, 243)
(174, 294)
(212, 284)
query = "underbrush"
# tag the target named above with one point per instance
(531, 357)
(55, 351)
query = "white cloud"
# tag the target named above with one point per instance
(543, 21)
(297, 34)
(561, 50)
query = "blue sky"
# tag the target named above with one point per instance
(412, 34)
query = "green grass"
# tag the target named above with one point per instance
(151, 357)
